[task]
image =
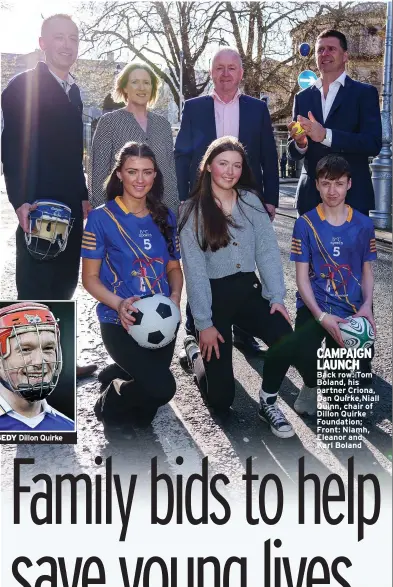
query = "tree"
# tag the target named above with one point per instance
(267, 35)
(157, 33)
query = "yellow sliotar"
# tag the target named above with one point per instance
(299, 129)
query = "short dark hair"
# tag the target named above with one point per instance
(333, 33)
(47, 20)
(332, 167)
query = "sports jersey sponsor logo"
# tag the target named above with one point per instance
(143, 233)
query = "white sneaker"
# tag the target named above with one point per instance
(306, 401)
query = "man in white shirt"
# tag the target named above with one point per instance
(337, 115)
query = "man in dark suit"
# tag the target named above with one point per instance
(42, 150)
(337, 115)
(227, 112)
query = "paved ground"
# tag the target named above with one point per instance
(185, 427)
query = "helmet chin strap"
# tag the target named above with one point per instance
(28, 392)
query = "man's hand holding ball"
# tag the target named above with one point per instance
(296, 132)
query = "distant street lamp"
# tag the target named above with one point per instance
(181, 56)
(382, 164)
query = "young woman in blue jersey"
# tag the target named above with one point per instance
(225, 234)
(333, 246)
(130, 250)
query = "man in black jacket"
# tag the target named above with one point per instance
(42, 150)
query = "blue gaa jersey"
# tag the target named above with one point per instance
(336, 255)
(48, 420)
(133, 251)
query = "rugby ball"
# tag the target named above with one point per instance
(357, 333)
(156, 322)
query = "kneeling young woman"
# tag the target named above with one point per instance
(225, 233)
(130, 250)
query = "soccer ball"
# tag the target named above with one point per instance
(157, 322)
(357, 333)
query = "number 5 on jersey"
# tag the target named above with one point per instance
(146, 244)
(336, 251)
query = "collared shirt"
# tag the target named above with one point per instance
(65, 84)
(226, 115)
(327, 104)
(5, 408)
(54, 421)
(133, 252)
(332, 93)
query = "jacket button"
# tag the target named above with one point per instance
(238, 266)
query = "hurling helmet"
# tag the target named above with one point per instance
(26, 368)
(49, 227)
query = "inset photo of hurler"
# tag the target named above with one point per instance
(37, 372)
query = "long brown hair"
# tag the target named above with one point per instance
(213, 232)
(155, 205)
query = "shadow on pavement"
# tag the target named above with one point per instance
(282, 453)
(365, 459)
(134, 448)
(51, 459)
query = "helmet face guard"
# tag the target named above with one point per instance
(30, 351)
(49, 227)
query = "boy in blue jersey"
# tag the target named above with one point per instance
(333, 246)
(30, 365)
(130, 250)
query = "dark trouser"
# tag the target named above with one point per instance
(306, 341)
(49, 280)
(153, 384)
(190, 325)
(237, 299)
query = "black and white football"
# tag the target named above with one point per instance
(157, 321)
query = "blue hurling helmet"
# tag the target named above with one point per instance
(49, 227)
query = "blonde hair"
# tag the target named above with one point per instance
(120, 95)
